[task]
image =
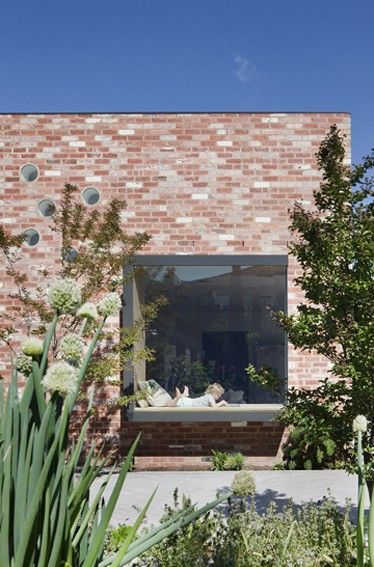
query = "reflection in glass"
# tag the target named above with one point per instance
(217, 322)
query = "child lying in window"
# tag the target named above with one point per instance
(209, 399)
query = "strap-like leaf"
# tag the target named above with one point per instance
(34, 506)
(86, 518)
(143, 544)
(38, 388)
(132, 533)
(46, 540)
(98, 535)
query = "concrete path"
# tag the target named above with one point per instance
(202, 486)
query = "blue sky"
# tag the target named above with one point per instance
(190, 55)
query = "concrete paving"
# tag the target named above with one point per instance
(202, 486)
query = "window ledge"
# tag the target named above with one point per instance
(242, 413)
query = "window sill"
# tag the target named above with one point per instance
(243, 413)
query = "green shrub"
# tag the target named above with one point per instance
(318, 435)
(189, 546)
(312, 535)
(115, 538)
(234, 462)
(222, 461)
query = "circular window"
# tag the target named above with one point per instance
(47, 208)
(29, 172)
(70, 255)
(32, 237)
(91, 196)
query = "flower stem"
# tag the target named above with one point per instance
(360, 532)
(371, 530)
(84, 324)
(47, 343)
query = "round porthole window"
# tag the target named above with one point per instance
(91, 196)
(46, 207)
(29, 172)
(32, 237)
(70, 255)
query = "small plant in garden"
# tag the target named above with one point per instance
(222, 461)
(218, 460)
(47, 516)
(115, 538)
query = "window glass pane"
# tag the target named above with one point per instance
(217, 322)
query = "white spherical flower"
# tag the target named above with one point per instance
(243, 484)
(87, 311)
(61, 377)
(32, 347)
(64, 296)
(23, 364)
(71, 346)
(360, 423)
(109, 305)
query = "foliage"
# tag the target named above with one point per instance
(266, 378)
(334, 247)
(191, 546)
(319, 434)
(312, 535)
(47, 515)
(104, 249)
(195, 375)
(222, 461)
(115, 538)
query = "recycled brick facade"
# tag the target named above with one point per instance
(195, 439)
(204, 183)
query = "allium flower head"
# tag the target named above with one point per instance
(60, 377)
(64, 296)
(88, 311)
(32, 347)
(71, 346)
(23, 364)
(243, 484)
(109, 305)
(360, 423)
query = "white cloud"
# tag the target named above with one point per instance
(244, 68)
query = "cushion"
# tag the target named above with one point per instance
(156, 396)
(233, 396)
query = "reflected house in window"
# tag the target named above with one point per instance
(217, 321)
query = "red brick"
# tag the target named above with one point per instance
(228, 174)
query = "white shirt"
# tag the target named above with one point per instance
(203, 401)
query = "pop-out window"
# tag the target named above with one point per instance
(218, 320)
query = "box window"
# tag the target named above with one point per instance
(217, 321)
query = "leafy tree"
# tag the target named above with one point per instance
(93, 250)
(334, 246)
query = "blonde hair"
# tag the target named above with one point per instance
(215, 389)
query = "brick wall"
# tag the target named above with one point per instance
(202, 183)
(199, 438)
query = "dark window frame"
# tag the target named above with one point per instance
(192, 260)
